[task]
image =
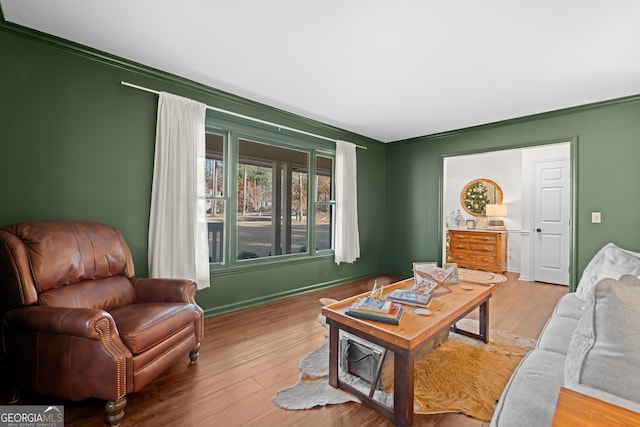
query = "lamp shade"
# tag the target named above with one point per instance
(496, 210)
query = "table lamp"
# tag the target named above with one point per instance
(494, 212)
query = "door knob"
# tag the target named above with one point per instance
(539, 230)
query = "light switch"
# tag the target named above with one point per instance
(596, 217)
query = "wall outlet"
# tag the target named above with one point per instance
(596, 217)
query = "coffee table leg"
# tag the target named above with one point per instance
(334, 334)
(403, 389)
(484, 321)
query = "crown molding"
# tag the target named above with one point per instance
(224, 99)
(529, 118)
(243, 104)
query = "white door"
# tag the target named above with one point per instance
(551, 222)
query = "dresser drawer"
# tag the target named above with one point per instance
(463, 258)
(461, 246)
(473, 237)
(475, 247)
(481, 247)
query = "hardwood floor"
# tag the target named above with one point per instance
(248, 355)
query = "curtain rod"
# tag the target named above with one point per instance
(264, 122)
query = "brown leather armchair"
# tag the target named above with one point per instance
(77, 324)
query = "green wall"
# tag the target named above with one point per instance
(76, 144)
(605, 161)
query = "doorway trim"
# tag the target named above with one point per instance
(573, 186)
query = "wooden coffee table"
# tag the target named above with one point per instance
(405, 339)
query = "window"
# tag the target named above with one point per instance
(324, 203)
(272, 200)
(259, 197)
(214, 188)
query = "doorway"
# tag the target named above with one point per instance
(513, 170)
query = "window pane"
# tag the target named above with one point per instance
(214, 187)
(324, 209)
(215, 222)
(215, 166)
(272, 200)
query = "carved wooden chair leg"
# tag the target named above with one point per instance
(115, 411)
(193, 354)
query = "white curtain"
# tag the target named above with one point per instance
(347, 239)
(178, 235)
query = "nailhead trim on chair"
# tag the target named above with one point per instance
(112, 349)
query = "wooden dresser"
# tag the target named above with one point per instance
(479, 249)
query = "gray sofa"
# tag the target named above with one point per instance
(591, 343)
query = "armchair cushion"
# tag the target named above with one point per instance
(64, 252)
(142, 326)
(104, 294)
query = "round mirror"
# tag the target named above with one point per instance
(479, 193)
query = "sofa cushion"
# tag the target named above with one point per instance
(142, 326)
(530, 397)
(556, 334)
(569, 306)
(605, 348)
(610, 261)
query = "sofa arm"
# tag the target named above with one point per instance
(80, 322)
(164, 290)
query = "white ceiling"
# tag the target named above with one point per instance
(389, 70)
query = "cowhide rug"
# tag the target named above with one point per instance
(460, 375)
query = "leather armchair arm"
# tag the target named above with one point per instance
(164, 290)
(81, 346)
(80, 322)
